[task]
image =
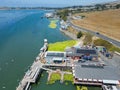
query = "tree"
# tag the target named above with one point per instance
(118, 6)
(79, 35)
(63, 14)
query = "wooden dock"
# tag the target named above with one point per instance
(30, 76)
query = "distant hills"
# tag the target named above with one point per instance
(47, 8)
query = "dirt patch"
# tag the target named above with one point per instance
(105, 22)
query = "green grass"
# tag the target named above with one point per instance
(54, 77)
(82, 88)
(60, 46)
(68, 77)
(109, 46)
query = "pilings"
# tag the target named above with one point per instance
(30, 76)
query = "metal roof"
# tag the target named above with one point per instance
(81, 51)
(106, 73)
(86, 51)
(55, 54)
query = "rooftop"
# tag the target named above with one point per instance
(55, 54)
(88, 72)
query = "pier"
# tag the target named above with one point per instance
(32, 74)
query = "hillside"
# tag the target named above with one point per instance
(105, 22)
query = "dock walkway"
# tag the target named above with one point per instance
(30, 76)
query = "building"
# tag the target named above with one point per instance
(82, 53)
(95, 73)
(58, 60)
(49, 15)
(55, 56)
(64, 25)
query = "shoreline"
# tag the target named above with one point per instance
(69, 34)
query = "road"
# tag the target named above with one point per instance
(112, 41)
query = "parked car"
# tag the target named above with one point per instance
(97, 33)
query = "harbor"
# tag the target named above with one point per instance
(82, 63)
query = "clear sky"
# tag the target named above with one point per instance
(51, 3)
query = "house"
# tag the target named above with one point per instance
(64, 25)
(55, 56)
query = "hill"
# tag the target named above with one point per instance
(104, 22)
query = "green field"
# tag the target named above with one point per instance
(60, 46)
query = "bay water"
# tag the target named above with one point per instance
(21, 36)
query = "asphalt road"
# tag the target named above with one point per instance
(112, 41)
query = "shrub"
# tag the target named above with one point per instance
(109, 46)
(79, 35)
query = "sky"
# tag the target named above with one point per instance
(49, 3)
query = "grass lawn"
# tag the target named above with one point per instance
(60, 46)
(54, 77)
(81, 88)
(68, 77)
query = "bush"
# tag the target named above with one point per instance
(101, 42)
(63, 14)
(79, 35)
(109, 46)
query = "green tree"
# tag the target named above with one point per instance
(79, 35)
(118, 6)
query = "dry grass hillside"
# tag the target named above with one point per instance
(105, 22)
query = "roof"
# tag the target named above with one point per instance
(57, 59)
(81, 51)
(106, 73)
(55, 54)
(86, 51)
(111, 81)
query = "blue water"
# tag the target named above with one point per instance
(21, 36)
